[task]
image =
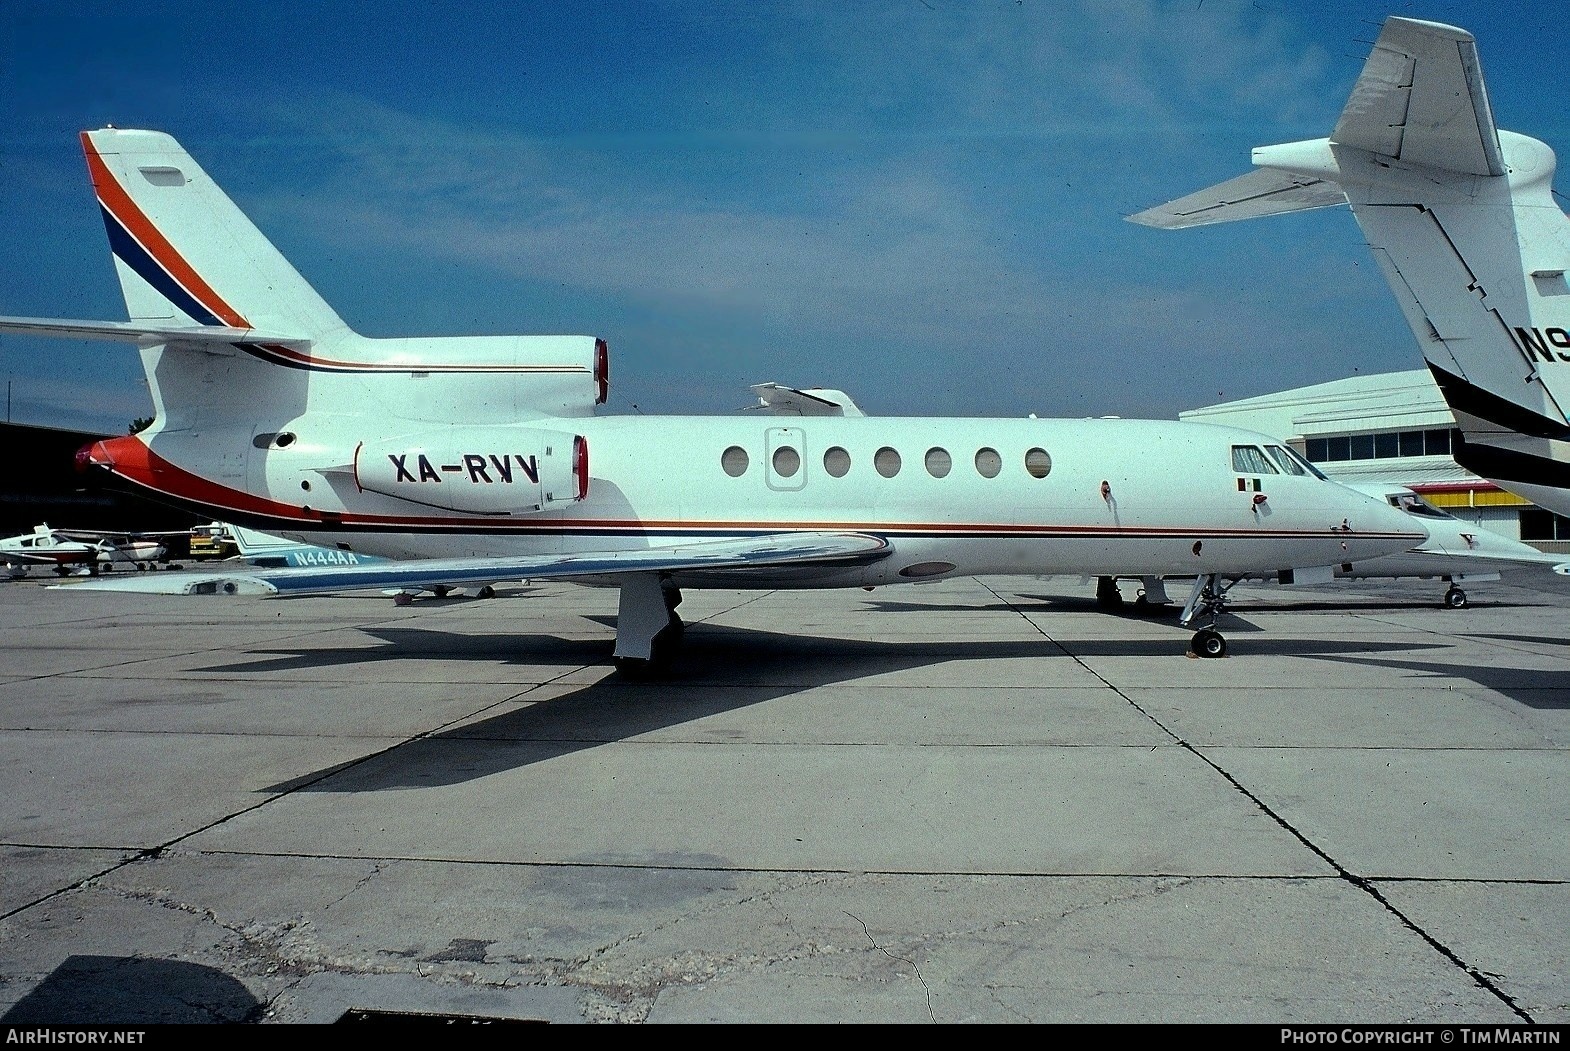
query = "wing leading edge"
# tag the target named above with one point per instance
(762, 552)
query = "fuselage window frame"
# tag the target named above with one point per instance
(734, 461)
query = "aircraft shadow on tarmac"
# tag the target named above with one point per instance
(721, 669)
(1529, 687)
(133, 990)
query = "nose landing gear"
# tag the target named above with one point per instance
(1206, 601)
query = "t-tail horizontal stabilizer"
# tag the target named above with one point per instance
(1462, 221)
(143, 334)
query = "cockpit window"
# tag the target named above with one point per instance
(1285, 462)
(1249, 460)
(1292, 463)
(1413, 504)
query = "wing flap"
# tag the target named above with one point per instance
(773, 550)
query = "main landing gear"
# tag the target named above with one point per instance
(1206, 601)
(1152, 594)
(648, 629)
(1455, 598)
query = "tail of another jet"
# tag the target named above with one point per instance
(1462, 221)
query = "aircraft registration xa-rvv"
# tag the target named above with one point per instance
(1462, 220)
(478, 459)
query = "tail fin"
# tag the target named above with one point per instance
(185, 254)
(1462, 221)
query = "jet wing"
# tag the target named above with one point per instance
(761, 552)
(777, 400)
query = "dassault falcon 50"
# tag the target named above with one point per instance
(470, 460)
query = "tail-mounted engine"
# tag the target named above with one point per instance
(481, 470)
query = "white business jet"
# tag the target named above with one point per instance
(475, 460)
(1462, 220)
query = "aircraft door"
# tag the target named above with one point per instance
(785, 462)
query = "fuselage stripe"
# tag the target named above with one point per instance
(226, 504)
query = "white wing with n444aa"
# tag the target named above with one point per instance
(470, 460)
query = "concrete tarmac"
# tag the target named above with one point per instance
(970, 801)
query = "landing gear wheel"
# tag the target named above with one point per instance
(1208, 643)
(1108, 595)
(486, 592)
(1455, 598)
(442, 590)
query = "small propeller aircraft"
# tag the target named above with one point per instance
(473, 460)
(1462, 220)
(81, 551)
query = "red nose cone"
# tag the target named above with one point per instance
(84, 458)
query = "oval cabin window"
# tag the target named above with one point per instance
(734, 460)
(887, 462)
(939, 462)
(1038, 463)
(836, 462)
(787, 461)
(988, 463)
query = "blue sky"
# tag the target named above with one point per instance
(920, 202)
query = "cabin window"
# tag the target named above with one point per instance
(836, 462)
(1038, 463)
(734, 460)
(1247, 459)
(939, 462)
(988, 463)
(887, 462)
(787, 461)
